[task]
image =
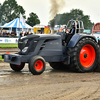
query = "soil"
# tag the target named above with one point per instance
(50, 85)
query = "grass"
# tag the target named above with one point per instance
(8, 45)
(1, 58)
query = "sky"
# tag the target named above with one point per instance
(42, 8)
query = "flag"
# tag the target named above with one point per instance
(22, 21)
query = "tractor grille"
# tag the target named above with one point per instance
(24, 43)
(21, 44)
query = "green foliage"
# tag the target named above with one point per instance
(0, 13)
(10, 10)
(8, 45)
(62, 19)
(33, 19)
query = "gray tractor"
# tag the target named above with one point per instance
(63, 49)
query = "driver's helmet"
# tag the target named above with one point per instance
(73, 24)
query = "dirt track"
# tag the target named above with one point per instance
(51, 85)
(11, 50)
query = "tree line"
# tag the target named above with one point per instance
(10, 10)
(76, 14)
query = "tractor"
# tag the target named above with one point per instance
(70, 48)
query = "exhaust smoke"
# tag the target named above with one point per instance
(56, 7)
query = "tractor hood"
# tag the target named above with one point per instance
(49, 36)
(25, 42)
(29, 37)
(44, 36)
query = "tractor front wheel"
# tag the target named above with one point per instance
(37, 65)
(17, 67)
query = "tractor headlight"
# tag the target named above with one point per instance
(25, 49)
(19, 50)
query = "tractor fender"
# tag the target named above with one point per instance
(77, 37)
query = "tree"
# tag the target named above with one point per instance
(33, 19)
(11, 10)
(61, 19)
(0, 13)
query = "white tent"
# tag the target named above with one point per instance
(16, 23)
(17, 26)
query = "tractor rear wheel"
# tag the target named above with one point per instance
(37, 65)
(85, 55)
(17, 67)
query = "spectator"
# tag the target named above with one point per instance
(25, 33)
(1, 34)
(39, 32)
(42, 33)
(21, 34)
(31, 33)
(13, 34)
(34, 32)
(8, 34)
(28, 33)
(4, 34)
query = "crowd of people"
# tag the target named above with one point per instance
(4, 33)
(30, 33)
(7, 34)
(13, 34)
(25, 33)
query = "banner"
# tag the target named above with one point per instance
(22, 20)
(9, 40)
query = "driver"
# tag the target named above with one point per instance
(70, 33)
